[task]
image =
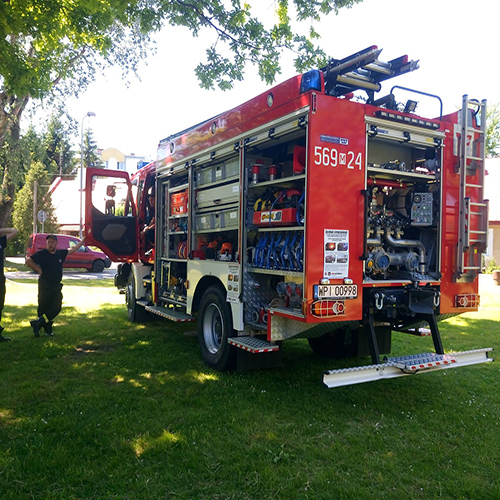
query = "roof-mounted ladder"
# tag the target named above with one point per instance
(473, 208)
(363, 71)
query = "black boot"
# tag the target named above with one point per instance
(37, 324)
(48, 329)
(2, 338)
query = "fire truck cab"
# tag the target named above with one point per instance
(307, 213)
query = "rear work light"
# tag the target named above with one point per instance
(328, 308)
(310, 81)
(467, 300)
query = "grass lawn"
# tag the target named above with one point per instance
(111, 410)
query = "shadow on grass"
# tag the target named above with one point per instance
(125, 408)
(103, 346)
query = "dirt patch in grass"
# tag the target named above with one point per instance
(84, 349)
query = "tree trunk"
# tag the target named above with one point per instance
(11, 166)
(10, 133)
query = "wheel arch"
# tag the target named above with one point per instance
(201, 288)
(139, 271)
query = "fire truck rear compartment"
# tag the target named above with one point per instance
(402, 209)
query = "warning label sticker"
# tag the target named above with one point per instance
(336, 253)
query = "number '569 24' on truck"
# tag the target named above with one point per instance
(307, 212)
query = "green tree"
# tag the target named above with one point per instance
(90, 156)
(60, 159)
(33, 147)
(22, 214)
(493, 130)
(60, 45)
(51, 147)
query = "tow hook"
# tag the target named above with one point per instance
(379, 300)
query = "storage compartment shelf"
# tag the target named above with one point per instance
(398, 174)
(286, 181)
(216, 183)
(222, 171)
(371, 283)
(178, 188)
(216, 197)
(217, 230)
(254, 229)
(278, 272)
(226, 218)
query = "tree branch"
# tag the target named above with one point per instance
(220, 31)
(70, 63)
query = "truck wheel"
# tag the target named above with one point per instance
(215, 326)
(136, 313)
(98, 266)
(340, 343)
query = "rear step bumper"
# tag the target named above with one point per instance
(406, 365)
(253, 344)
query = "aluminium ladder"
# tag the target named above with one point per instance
(473, 208)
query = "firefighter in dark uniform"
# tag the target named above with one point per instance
(6, 234)
(48, 263)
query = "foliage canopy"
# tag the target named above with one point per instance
(45, 43)
(60, 45)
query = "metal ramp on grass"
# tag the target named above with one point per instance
(405, 365)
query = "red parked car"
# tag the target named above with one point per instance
(84, 257)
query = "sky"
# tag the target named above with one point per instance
(456, 43)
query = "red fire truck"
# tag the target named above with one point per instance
(308, 212)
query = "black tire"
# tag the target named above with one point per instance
(135, 312)
(341, 343)
(98, 266)
(215, 326)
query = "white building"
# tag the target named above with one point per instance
(492, 193)
(114, 159)
(65, 195)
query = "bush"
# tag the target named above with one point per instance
(492, 266)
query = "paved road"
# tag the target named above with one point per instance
(486, 284)
(68, 274)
